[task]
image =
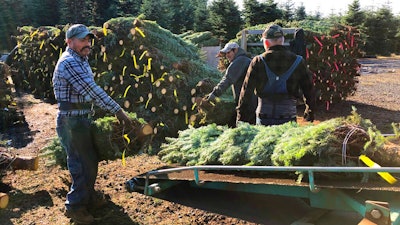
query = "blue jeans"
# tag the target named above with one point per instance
(76, 138)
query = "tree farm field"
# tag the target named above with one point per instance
(37, 197)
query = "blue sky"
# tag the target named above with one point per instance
(338, 6)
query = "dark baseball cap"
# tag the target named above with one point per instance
(272, 32)
(79, 31)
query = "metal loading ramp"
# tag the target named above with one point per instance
(376, 201)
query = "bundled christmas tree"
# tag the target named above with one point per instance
(8, 112)
(335, 142)
(333, 60)
(145, 68)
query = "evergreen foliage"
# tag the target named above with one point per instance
(256, 12)
(200, 21)
(11, 15)
(263, 144)
(75, 11)
(318, 26)
(288, 6)
(300, 13)
(101, 11)
(54, 154)
(181, 16)
(355, 17)
(144, 67)
(331, 56)
(8, 112)
(333, 60)
(271, 11)
(253, 13)
(224, 19)
(193, 141)
(110, 139)
(233, 144)
(155, 10)
(176, 16)
(6, 85)
(335, 142)
(200, 39)
(303, 145)
(381, 37)
(129, 8)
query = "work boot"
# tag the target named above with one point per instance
(97, 201)
(80, 216)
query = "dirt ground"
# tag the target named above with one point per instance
(37, 197)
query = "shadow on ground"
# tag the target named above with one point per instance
(112, 214)
(255, 208)
(21, 202)
(381, 117)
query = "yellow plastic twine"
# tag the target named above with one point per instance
(385, 175)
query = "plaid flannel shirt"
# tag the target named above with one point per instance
(73, 82)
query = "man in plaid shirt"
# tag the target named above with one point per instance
(75, 91)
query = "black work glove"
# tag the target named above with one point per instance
(309, 115)
(123, 118)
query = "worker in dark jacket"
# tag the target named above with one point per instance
(277, 76)
(298, 44)
(234, 76)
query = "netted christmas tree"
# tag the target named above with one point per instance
(8, 111)
(332, 57)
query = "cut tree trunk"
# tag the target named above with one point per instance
(144, 130)
(25, 163)
(3, 200)
(16, 162)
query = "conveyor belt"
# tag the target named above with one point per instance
(325, 180)
(332, 188)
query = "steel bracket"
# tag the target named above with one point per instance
(376, 213)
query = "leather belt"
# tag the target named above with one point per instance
(67, 106)
(266, 116)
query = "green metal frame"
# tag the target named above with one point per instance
(319, 197)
